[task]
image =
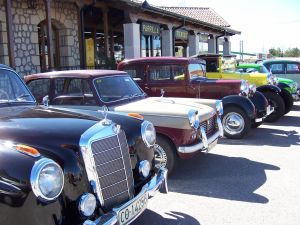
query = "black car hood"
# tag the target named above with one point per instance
(42, 126)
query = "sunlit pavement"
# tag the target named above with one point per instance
(255, 181)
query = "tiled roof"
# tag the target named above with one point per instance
(204, 14)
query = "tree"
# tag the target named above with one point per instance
(294, 52)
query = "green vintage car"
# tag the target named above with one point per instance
(262, 73)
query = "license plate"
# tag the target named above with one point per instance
(127, 214)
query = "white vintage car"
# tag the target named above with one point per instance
(183, 126)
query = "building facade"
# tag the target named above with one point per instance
(97, 34)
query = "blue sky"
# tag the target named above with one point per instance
(264, 23)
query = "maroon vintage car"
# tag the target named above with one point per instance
(183, 128)
(185, 77)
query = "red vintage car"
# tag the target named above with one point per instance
(185, 77)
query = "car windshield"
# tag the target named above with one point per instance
(12, 89)
(196, 71)
(116, 88)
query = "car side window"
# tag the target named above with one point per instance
(292, 68)
(39, 88)
(75, 87)
(166, 73)
(136, 73)
(277, 68)
(59, 84)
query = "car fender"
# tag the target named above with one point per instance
(241, 102)
(260, 101)
(269, 88)
(284, 86)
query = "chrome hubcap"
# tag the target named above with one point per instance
(233, 123)
(160, 157)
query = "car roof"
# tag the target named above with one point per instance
(161, 59)
(75, 74)
(281, 60)
(3, 66)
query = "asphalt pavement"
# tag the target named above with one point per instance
(253, 181)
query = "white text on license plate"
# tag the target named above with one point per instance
(126, 214)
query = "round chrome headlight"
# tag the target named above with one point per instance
(245, 88)
(47, 179)
(219, 107)
(193, 118)
(87, 204)
(144, 168)
(148, 133)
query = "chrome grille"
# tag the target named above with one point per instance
(114, 172)
(210, 125)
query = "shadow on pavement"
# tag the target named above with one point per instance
(286, 121)
(151, 218)
(218, 176)
(266, 136)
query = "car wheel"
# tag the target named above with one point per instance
(164, 154)
(277, 102)
(256, 124)
(288, 101)
(236, 123)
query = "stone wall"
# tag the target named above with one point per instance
(3, 35)
(25, 26)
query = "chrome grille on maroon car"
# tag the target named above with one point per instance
(113, 167)
(210, 125)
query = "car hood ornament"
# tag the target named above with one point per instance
(105, 121)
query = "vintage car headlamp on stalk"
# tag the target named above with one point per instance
(144, 168)
(244, 88)
(272, 79)
(219, 107)
(148, 133)
(252, 89)
(194, 118)
(47, 179)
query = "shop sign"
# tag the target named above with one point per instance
(90, 52)
(150, 29)
(181, 34)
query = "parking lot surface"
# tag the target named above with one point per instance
(253, 181)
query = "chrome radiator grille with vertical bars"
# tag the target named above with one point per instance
(210, 125)
(113, 166)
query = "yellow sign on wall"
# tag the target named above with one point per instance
(90, 52)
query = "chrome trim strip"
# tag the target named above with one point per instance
(200, 146)
(157, 183)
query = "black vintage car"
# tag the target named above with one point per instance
(58, 167)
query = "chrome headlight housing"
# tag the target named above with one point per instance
(87, 204)
(148, 133)
(194, 118)
(245, 88)
(47, 179)
(272, 79)
(219, 107)
(252, 89)
(294, 86)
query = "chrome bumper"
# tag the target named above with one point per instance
(270, 111)
(296, 97)
(157, 183)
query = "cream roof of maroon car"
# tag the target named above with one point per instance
(75, 73)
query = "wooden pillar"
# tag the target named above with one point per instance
(105, 26)
(49, 34)
(10, 33)
(80, 28)
(112, 44)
